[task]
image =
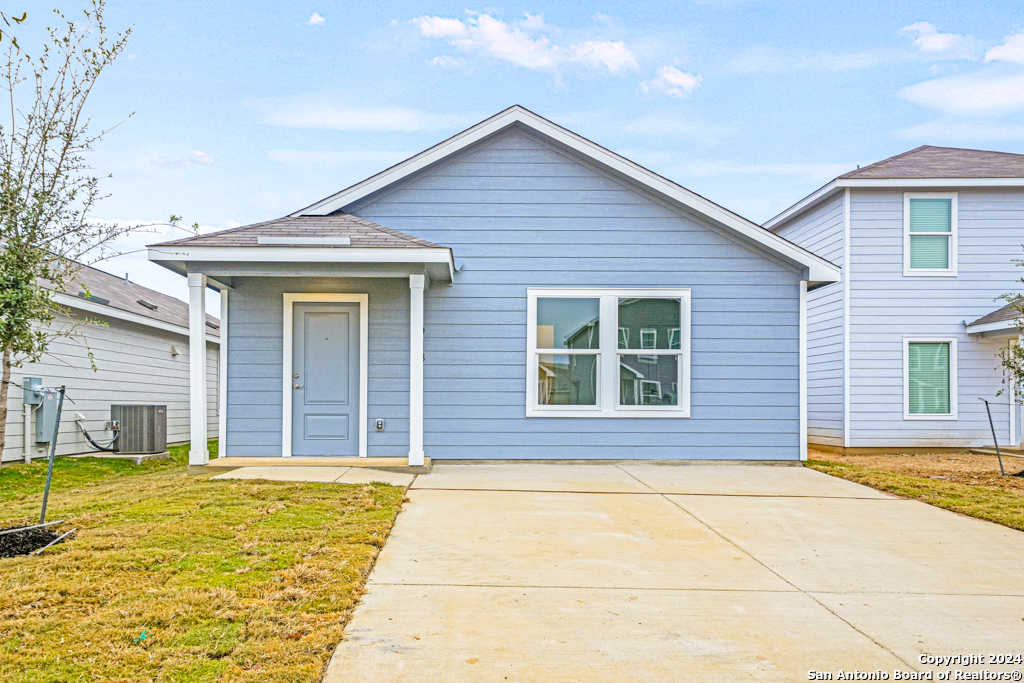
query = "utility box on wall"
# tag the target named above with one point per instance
(46, 415)
(142, 428)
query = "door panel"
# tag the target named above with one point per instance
(325, 393)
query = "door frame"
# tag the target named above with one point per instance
(290, 299)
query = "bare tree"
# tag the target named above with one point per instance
(47, 188)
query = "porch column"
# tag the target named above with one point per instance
(198, 453)
(222, 380)
(803, 369)
(417, 283)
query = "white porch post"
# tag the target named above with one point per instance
(222, 380)
(803, 369)
(417, 283)
(198, 453)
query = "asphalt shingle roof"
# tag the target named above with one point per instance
(1007, 312)
(362, 233)
(944, 162)
(125, 296)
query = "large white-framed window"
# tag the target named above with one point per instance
(929, 378)
(608, 352)
(929, 233)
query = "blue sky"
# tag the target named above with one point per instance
(248, 112)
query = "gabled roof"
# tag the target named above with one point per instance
(1004, 318)
(113, 294)
(363, 234)
(928, 161)
(820, 269)
(926, 166)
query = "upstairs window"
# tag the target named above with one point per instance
(608, 353)
(929, 233)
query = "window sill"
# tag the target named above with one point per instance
(592, 414)
(929, 273)
(907, 416)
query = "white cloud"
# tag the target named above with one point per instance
(447, 61)
(957, 131)
(672, 82)
(974, 93)
(195, 157)
(929, 39)
(526, 44)
(770, 61)
(1010, 51)
(316, 156)
(314, 112)
(316, 20)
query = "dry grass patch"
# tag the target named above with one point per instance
(959, 482)
(181, 579)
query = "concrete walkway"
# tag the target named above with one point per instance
(675, 573)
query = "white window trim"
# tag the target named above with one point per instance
(608, 392)
(656, 384)
(930, 272)
(290, 299)
(952, 415)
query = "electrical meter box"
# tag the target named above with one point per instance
(33, 387)
(46, 415)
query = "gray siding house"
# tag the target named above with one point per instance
(515, 292)
(901, 349)
(138, 339)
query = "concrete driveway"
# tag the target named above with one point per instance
(676, 573)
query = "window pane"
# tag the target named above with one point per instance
(568, 323)
(567, 379)
(928, 378)
(931, 215)
(645, 382)
(647, 323)
(929, 251)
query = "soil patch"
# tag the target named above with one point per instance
(960, 468)
(25, 542)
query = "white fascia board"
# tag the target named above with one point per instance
(81, 304)
(805, 203)
(303, 255)
(930, 182)
(821, 270)
(999, 326)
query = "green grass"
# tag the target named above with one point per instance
(985, 502)
(226, 580)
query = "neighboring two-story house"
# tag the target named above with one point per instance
(902, 348)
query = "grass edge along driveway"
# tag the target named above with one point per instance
(174, 577)
(984, 502)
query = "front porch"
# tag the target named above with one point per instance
(322, 342)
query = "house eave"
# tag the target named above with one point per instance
(998, 328)
(93, 308)
(176, 258)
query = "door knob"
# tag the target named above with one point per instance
(298, 386)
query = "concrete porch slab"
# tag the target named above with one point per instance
(399, 465)
(333, 475)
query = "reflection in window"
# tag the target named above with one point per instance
(648, 384)
(569, 323)
(567, 379)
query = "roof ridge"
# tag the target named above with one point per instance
(849, 174)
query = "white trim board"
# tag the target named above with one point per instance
(823, 193)
(1009, 326)
(820, 269)
(290, 299)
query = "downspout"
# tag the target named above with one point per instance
(27, 450)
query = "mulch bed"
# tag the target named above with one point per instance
(25, 542)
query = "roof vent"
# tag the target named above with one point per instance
(93, 297)
(296, 241)
(148, 304)
(212, 325)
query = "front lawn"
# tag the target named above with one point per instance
(965, 483)
(181, 579)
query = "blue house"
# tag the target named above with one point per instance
(901, 349)
(515, 292)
